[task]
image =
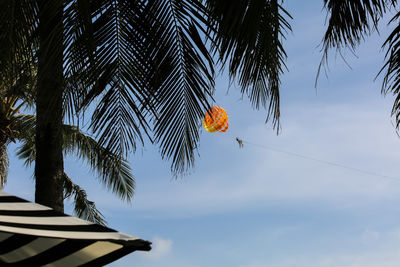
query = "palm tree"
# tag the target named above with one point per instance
(114, 172)
(149, 65)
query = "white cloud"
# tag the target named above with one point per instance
(375, 249)
(161, 248)
(370, 259)
(370, 236)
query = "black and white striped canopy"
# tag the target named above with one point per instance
(35, 235)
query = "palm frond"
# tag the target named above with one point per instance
(349, 23)
(25, 133)
(112, 170)
(10, 107)
(27, 151)
(23, 88)
(150, 64)
(186, 87)
(105, 56)
(391, 79)
(17, 43)
(247, 36)
(79, 53)
(83, 208)
(24, 126)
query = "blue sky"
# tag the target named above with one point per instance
(254, 207)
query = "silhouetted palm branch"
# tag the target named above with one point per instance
(247, 36)
(17, 47)
(83, 208)
(148, 65)
(181, 100)
(114, 171)
(391, 79)
(350, 22)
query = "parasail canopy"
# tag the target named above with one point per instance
(216, 120)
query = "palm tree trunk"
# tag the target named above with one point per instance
(49, 168)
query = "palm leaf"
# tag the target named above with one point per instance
(349, 23)
(113, 171)
(83, 208)
(102, 60)
(17, 44)
(182, 98)
(248, 35)
(79, 53)
(391, 79)
(25, 129)
(148, 66)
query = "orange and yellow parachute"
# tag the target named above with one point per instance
(216, 120)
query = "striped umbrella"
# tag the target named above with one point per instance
(36, 235)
